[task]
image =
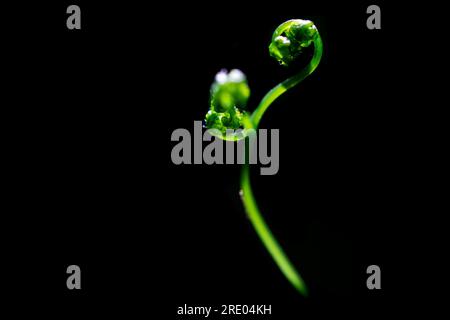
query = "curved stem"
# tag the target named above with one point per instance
(266, 235)
(251, 207)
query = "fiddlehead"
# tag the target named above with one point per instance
(229, 95)
(288, 42)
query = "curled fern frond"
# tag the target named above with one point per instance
(229, 95)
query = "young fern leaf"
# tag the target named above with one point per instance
(229, 95)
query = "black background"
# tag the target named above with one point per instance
(93, 183)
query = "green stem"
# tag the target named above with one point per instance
(251, 207)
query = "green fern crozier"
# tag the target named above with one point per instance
(229, 95)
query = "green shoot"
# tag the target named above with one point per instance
(229, 95)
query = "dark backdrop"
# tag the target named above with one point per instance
(94, 184)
